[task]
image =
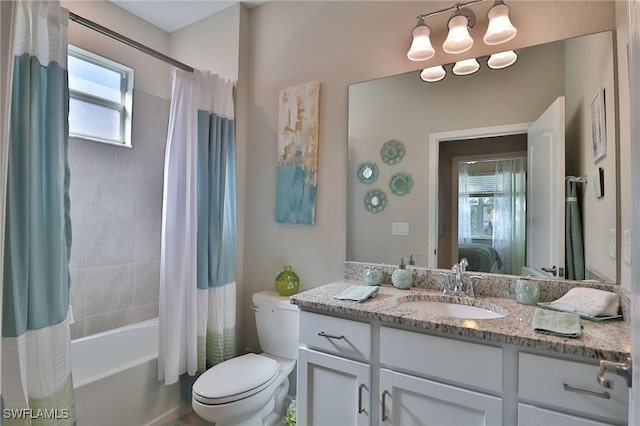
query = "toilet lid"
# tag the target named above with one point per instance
(235, 378)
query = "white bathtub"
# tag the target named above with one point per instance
(114, 375)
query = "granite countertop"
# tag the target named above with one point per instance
(610, 340)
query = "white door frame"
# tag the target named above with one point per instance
(433, 153)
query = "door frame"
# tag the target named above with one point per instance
(433, 153)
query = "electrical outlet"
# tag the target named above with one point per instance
(626, 248)
(399, 229)
(612, 243)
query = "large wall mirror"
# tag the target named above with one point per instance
(476, 166)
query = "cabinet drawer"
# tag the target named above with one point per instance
(451, 360)
(339, 336)
(558, 383)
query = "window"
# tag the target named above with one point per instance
(481, 192)
(100, 98)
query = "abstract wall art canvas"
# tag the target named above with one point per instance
(297, 165)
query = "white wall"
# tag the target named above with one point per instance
(340, 43)
(211, 43)
(589, 68)
(151, 75)
(624, 155)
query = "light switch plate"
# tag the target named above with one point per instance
(612, 243)
(626, 247)
(399, 228)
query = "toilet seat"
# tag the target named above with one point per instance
(235, 379)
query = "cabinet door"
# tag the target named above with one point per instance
(332, 390)
(528, 415)
(408, 400)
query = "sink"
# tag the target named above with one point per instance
(454, 307)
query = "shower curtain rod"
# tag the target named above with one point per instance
(129, 42)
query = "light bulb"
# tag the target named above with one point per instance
(502, 60)
(433, 74)
(500, 29)
(466, 67)
(421, 48)
(458, 40)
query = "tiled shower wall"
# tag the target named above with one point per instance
(116, 212)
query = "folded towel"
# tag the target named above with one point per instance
(562, 324)
(357, 293)
(588, 301)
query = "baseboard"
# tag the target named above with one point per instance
(171, 415)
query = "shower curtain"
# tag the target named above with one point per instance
(36, 368)
(574, 249)
(509, 213)
(464, 205)
(198, 254)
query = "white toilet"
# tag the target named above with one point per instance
(250, 389)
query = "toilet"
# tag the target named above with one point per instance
(250, 389)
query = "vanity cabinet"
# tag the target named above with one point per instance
(360, 373)
(550, 388)
(529, 415)
(438, 380)
(334, 375)
(332, 390)
(410, 400)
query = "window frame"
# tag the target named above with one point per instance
(124, 107)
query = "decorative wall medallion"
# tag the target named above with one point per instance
(392, 152)
(368, 172)
(401, 183)
(375, 201)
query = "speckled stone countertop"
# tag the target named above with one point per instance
(609, 340)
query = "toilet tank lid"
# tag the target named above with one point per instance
(272, 299)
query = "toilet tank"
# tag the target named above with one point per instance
(277, 323)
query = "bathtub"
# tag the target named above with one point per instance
(114, 376)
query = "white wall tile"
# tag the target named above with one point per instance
(147, 283)
(110, 242)
(109, 289)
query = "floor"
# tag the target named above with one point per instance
(189, 419)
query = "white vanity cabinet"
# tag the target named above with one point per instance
(334, 375)
(369, 373)
(555, 391)
(426, 379)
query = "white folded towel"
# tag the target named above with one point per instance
(588, 301)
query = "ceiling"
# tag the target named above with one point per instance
(171, 15)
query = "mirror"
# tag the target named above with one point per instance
(395, 122)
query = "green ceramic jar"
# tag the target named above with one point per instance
(287, 282)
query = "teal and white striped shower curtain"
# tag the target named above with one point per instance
(198, 254)
(36, 368)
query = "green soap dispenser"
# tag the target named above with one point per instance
(402, 278)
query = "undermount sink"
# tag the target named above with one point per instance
(454, 307)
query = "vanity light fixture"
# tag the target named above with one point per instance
(500, 29)
(433, 74)
(459, 40)
(501, 60)
(466, 67)
(469, 66)
(421, 48)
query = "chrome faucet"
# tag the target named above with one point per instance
(455, 284)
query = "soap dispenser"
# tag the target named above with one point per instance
(402, 278)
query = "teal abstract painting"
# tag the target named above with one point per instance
(297, 175)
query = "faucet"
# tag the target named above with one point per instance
(457, 287)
